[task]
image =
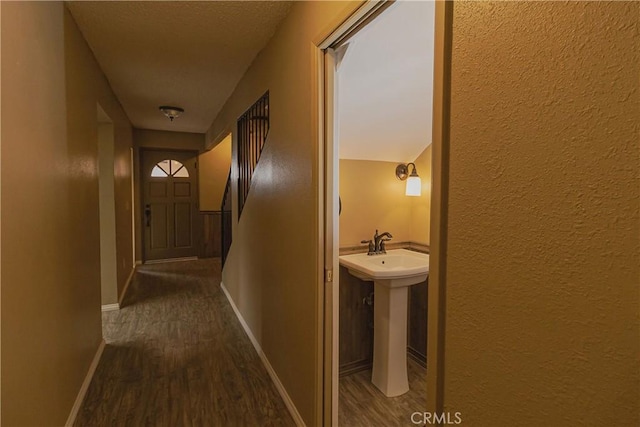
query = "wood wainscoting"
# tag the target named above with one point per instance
(356, 324)
(417, 323)
(211, 246)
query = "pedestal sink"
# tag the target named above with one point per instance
(392, 274)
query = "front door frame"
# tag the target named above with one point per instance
(196, 227)
(328, 202)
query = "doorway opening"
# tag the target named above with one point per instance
(170, 205)
(382, 103)
(107, 209)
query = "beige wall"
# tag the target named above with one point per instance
(421, 206)
(542, 320)
(272, 270)
(108, 263)
(145, 138)
(123, 173)
(213, 172)
(373, 198)
(51, 319)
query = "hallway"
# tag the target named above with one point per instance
(176, 355)
(534, 210)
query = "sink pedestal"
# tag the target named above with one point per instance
(390, 338)
(392, 274)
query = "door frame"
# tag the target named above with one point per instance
(197, 225)
(328, 201)
(107, 210)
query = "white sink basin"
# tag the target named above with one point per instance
(396, 268)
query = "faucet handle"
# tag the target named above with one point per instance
(372, 247)
(383, 248)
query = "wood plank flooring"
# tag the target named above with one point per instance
(176, 355)
(361, 404)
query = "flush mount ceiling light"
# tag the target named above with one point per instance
(171, 112)
(414, 185)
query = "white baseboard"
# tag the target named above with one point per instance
(85, 385)
(111, 307)
(274, 377)
(126, 286)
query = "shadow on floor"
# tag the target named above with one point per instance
(177, 356)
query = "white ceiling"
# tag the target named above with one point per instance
(178, 53)
(385, 86)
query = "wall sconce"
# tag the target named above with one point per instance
(414, 185)
(171, 112)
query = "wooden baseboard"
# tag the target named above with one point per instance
(126, 285)
(418, 357)
(85, 385)
(355, 366)
(297, 418)
(364, 364)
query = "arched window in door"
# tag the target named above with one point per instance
(168, 168)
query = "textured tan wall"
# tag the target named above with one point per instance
(168, 140)
(108, 263)
(373, 198)
(421, 206)
(123, 168)
(86, 88)
(542, 321)
(214, 170)
(51, 319)
(272, 271)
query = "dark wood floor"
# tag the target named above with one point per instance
(176, 355)
(361, 404)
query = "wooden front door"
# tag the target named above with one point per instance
(170, 204)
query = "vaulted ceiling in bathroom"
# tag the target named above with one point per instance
(385, 86)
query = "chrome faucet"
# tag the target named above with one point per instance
(377, 245)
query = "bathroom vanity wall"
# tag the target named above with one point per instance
(421, 206)
(373, 198)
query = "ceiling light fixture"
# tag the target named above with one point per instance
(414, 185)
(171, 112)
